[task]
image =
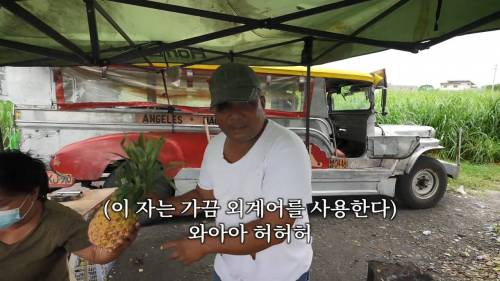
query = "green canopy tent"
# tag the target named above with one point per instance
(254, 32)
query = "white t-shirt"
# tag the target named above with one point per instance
(277, 166)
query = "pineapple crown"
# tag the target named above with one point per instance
(141, 170)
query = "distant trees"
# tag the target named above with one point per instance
(496, 87)
(426, 87)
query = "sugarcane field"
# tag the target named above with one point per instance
(338, 140)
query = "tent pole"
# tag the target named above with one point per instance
(94, 37)
(308, 103)
(306, 60)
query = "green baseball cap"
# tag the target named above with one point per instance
(233, 82)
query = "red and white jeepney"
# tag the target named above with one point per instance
(75, 118)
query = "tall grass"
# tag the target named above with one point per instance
(10, 135)
(477, 112)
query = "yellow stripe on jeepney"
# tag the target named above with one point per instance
(316, 71)
(321, 71)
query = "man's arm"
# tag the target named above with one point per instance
(95, 254)
(189, 250)
(198, 194)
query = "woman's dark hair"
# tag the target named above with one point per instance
(22, 174)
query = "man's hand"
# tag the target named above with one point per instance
(185, 250)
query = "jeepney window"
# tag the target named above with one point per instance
(89, 84)
(351, 98)
(185, 87)
(283, 93)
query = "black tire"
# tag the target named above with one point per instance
(159, 189)
(424, 186)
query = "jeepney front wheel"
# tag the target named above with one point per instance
(424, 186)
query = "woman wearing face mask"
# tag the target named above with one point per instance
(36, 235)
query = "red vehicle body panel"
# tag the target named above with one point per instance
(87, 160)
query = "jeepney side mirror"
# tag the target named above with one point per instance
(331, 88)
(384, 101)
(382, 85)
(329, 101)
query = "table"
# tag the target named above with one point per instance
(90, 201)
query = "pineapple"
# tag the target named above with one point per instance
(106, 233)
(135, 178)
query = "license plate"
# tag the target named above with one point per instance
(60, 180)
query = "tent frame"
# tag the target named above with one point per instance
(76, 56)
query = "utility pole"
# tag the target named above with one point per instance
(494, 76)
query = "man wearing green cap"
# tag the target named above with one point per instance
(253, 158)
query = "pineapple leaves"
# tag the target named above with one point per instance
(141, 169)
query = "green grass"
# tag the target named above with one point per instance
(9, 133)
(477, 112)
(477, 177)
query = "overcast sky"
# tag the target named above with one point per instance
(471, 57)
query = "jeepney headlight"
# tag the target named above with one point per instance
(432, 132)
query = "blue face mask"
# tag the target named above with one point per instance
(10, 217)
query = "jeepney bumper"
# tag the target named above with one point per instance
(452, 170)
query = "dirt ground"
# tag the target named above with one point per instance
(460, 243)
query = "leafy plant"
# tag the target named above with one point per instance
(141, 170)
(10, 135)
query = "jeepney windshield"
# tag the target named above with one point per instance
(351, 97)
(185, 87)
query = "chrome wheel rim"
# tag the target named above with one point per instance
(425, 184)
